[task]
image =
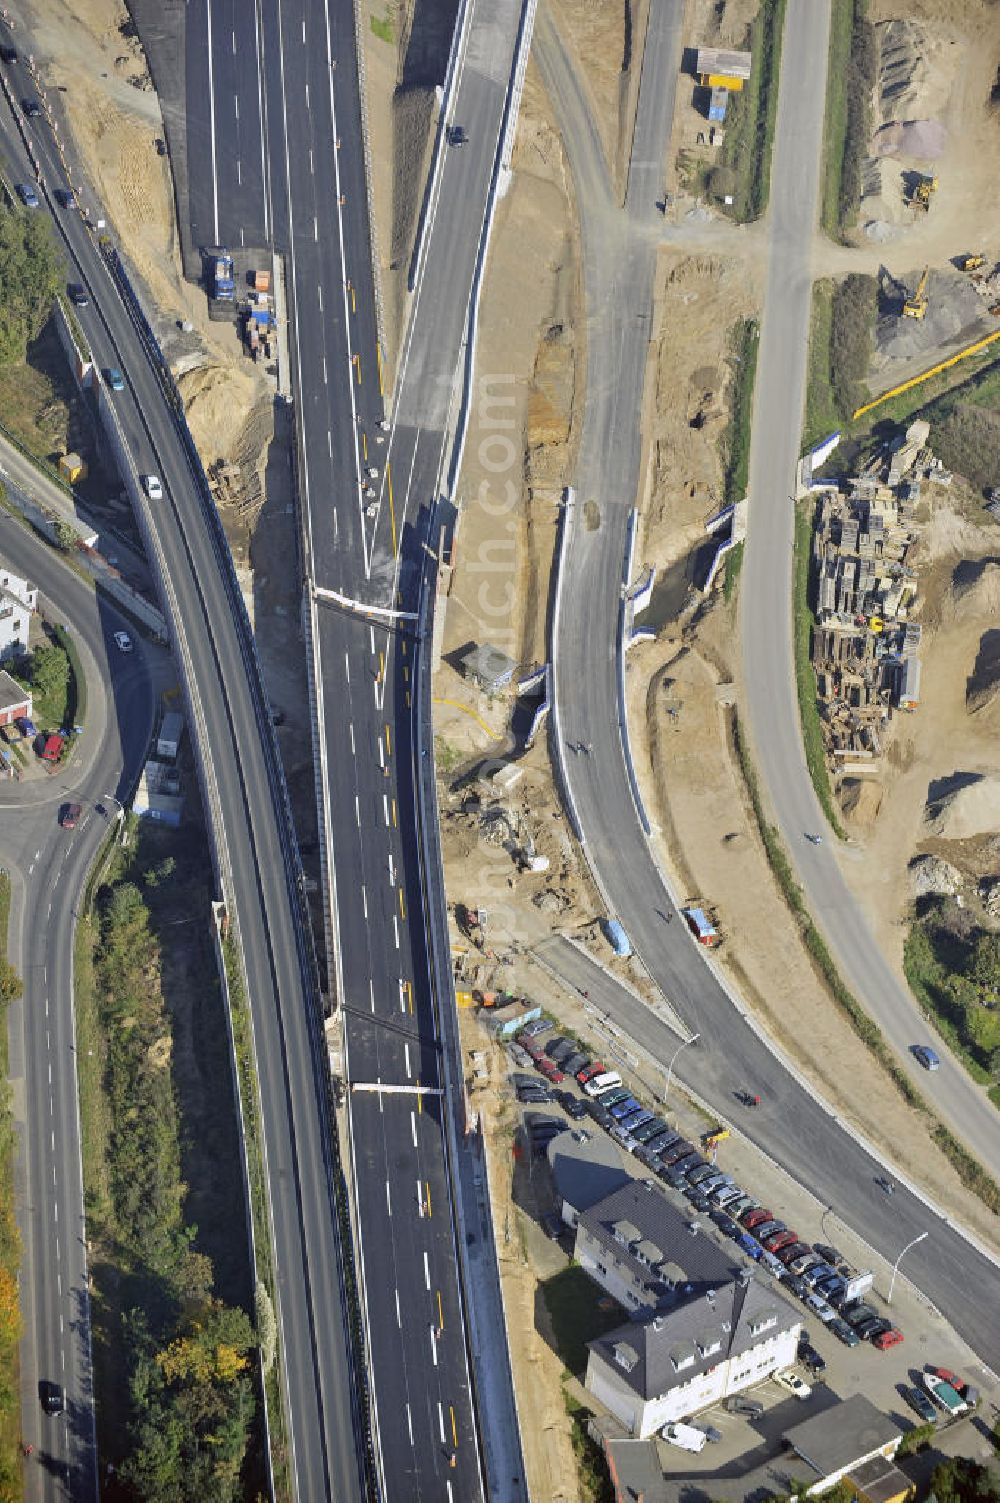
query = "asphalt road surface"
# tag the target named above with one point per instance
(366, 548)
(243, 787)
(49, 867)
(795, 1129)
(766, 594)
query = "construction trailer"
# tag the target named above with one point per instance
(908, 684)
(718, 68)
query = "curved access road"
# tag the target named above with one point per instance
(49, 868)
(793, 1127)
(766, 593)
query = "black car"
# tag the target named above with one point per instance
(687, 1162)
(798, 1286)
(8, 54)
(725, 1223)
(573, 1106)
(921, 1405)
(31, 108)
(671, 1177)
(534, 1096)
(699, 1202)
(866, 1329)
(828, 1253)
(599, 1113)
(642, 1153)
(574, 1062)
(52, 1396)
(65, 198)
(560, 1048)
(79, 294)
(664, 1141)
(811, 1357)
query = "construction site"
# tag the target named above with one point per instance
(865, 646)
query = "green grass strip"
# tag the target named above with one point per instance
(744, 345)
(751, 115)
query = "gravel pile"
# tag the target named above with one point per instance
(923, 140)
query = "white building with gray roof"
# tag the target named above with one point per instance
(678, 1362)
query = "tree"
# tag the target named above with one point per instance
(11, 985)
(10, 1308)
(64, 536)
(995, 1064)
(30, 275)
(961, 1480)
(49, 671)
(984, 967)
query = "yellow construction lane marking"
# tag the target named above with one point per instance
(942, 365)
(388, 748)
(356, 362)
(394, 814)
(466, 711)
(427, 1187)
(402, 905)
(440, 1313)
(454, 1431)
(378, 354)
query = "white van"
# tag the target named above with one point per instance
(685, 1436)
(601, 1083)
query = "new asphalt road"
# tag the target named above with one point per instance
(766, 594)
(257, 863)
(369, 477)
(792, 1126)
(49, 867)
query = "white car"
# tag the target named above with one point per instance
(685, 1436)
(792, 1383)
(153, 487)
(123, 641)
(819, 1306)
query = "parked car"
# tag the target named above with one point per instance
(843, 1332)
(625, 1108)
(699, 1202)
(856, 1311)
(69, 816)
(595, 1067)
(711, 1433)
(572, 1105)
(623, 1136)
(27, 195)
(921, 1405)
(670, 1176)
(832, 1288)
(642, 1153)
(664, 1140)
(638, 1119)
(652, 1129)
(810, 1357)
(715, 1181)
(795, 1284)
(750, 1408)
(685, 1436)
(866, 1329)
(52, 750)
(534, 1093)
(792, 1383)
(756, 1217)
(925, 1055)
(790, 1253)
(703, 1172)
(778, 1240)
(553, 1226)
(885, 1339)
(688, 1162)
(573, 1062)
(551, 1072)
(598, 1084)
(752, 1248)
(767, 1229)
(677, 1151)
(518, 1055)
(740, 1207)
(820, 1307)
(817, 1272)
(828, 1254)
(804, 1262)
(611, 1097)
(727, 1226)
(726, 1196)
(559, 1048)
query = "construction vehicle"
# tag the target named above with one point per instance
(916, 306)
(223, 286)
(923, 191)
(971, 263)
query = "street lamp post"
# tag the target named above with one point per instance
(895, 1265)
(670, 1068)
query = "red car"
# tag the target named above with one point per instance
(779, 1240)
(69, 816)
(757, 1218)
(886, 1339)
(792, 1250)
(52, 750)
(550, 1070)
(589, 1071)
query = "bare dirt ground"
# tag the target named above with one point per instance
(605, 38)
(953, 72)
(695, 145)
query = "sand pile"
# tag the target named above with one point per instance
(969, 810)
(916, 70)
(975, 590)
(860, 800)
(984, 681)
(218, 400)
(923, 140)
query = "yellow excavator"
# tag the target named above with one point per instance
(916, 306)
(971, 263)
(923, 191)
